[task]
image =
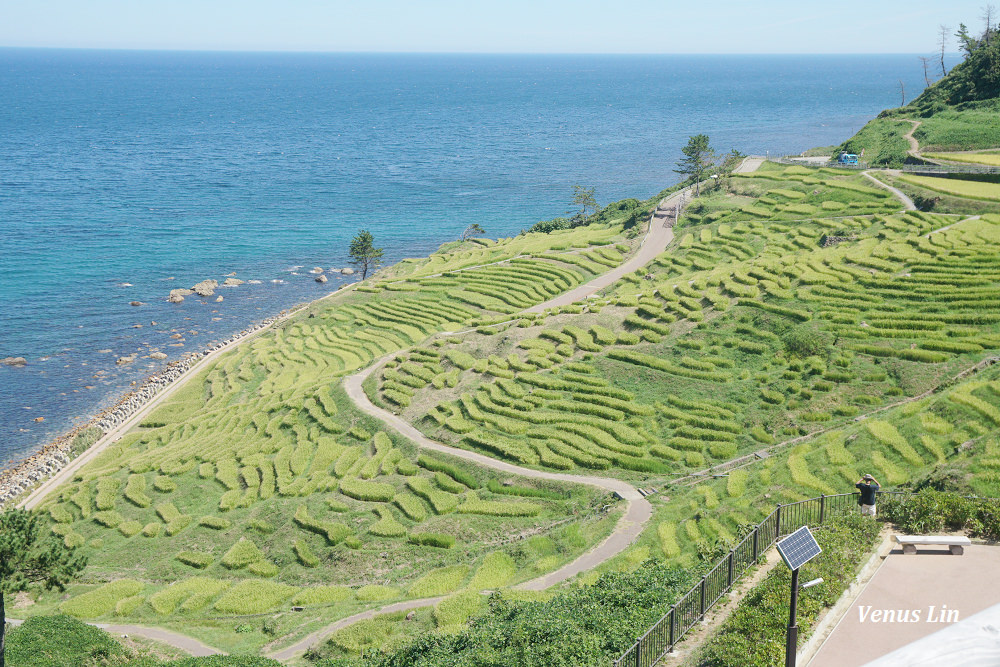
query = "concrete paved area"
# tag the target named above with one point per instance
(910, 597)
(974, 642)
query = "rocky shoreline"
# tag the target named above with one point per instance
(55, 456)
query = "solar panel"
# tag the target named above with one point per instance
(798, 548)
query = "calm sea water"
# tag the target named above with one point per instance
(157, 170)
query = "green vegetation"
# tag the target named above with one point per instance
(953, 186)
(754, 633)
(31, 557)
(364, 254)
(57, 641)
(800, 310)
(590, 625)
(956, 113)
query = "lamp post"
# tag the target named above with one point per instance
(796, 550)
(792, 635)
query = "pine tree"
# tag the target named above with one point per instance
(30, 555)
(698, 157)
(363, 252)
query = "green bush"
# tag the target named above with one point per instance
(585, 625)
(933, 511)
(58, 641)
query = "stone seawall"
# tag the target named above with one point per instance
(54, 456)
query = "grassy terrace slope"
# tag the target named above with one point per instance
(799, 313)
(757, 332)
(748, 333)
(258, 486)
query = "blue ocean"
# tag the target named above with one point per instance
(124, 175)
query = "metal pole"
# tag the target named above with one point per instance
(822, 506)
(701, 614)
(792, 638)
(638, 652)
(777, 523)
(756, 548)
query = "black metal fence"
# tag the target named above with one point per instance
(692, 606)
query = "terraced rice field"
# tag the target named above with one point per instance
(790, 317)
(978, 190)
(257, 485)
(988, 158)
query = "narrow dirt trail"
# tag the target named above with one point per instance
(914, 144)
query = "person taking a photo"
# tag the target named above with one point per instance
(868, 486)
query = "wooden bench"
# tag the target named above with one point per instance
(956, 543)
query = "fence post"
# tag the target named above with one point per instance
(673, 625)
(701, 614)
(756, 547)
(732, 555)
(777, 523)
(638, 652)
(822, 507)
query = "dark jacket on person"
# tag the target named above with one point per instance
(867, 493)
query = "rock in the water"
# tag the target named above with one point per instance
(39, 419)
(176, 336)
(255, 282)
(104, 351)
(157, 355)
(321, 279)
(348, 271)
(231, 274)
(126, 360)
(175, 298)
(232, 282)
(136, 303)
(181, 292)
(218, 298)
(316, 269)
(14, 361)
(206, 287)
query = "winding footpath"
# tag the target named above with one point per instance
(637, 513)
(638, 510)
(899, 194)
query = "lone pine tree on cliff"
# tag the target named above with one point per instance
(30, 555)
(698, 158)
(364, 254)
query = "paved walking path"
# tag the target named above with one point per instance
(638, 510)
(927, 582)
(907, 202)
(175, 639)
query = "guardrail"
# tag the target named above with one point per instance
(908, 168)
(692, 606)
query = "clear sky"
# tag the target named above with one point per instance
(498, 26)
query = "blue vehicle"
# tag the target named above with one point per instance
(848, 158)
